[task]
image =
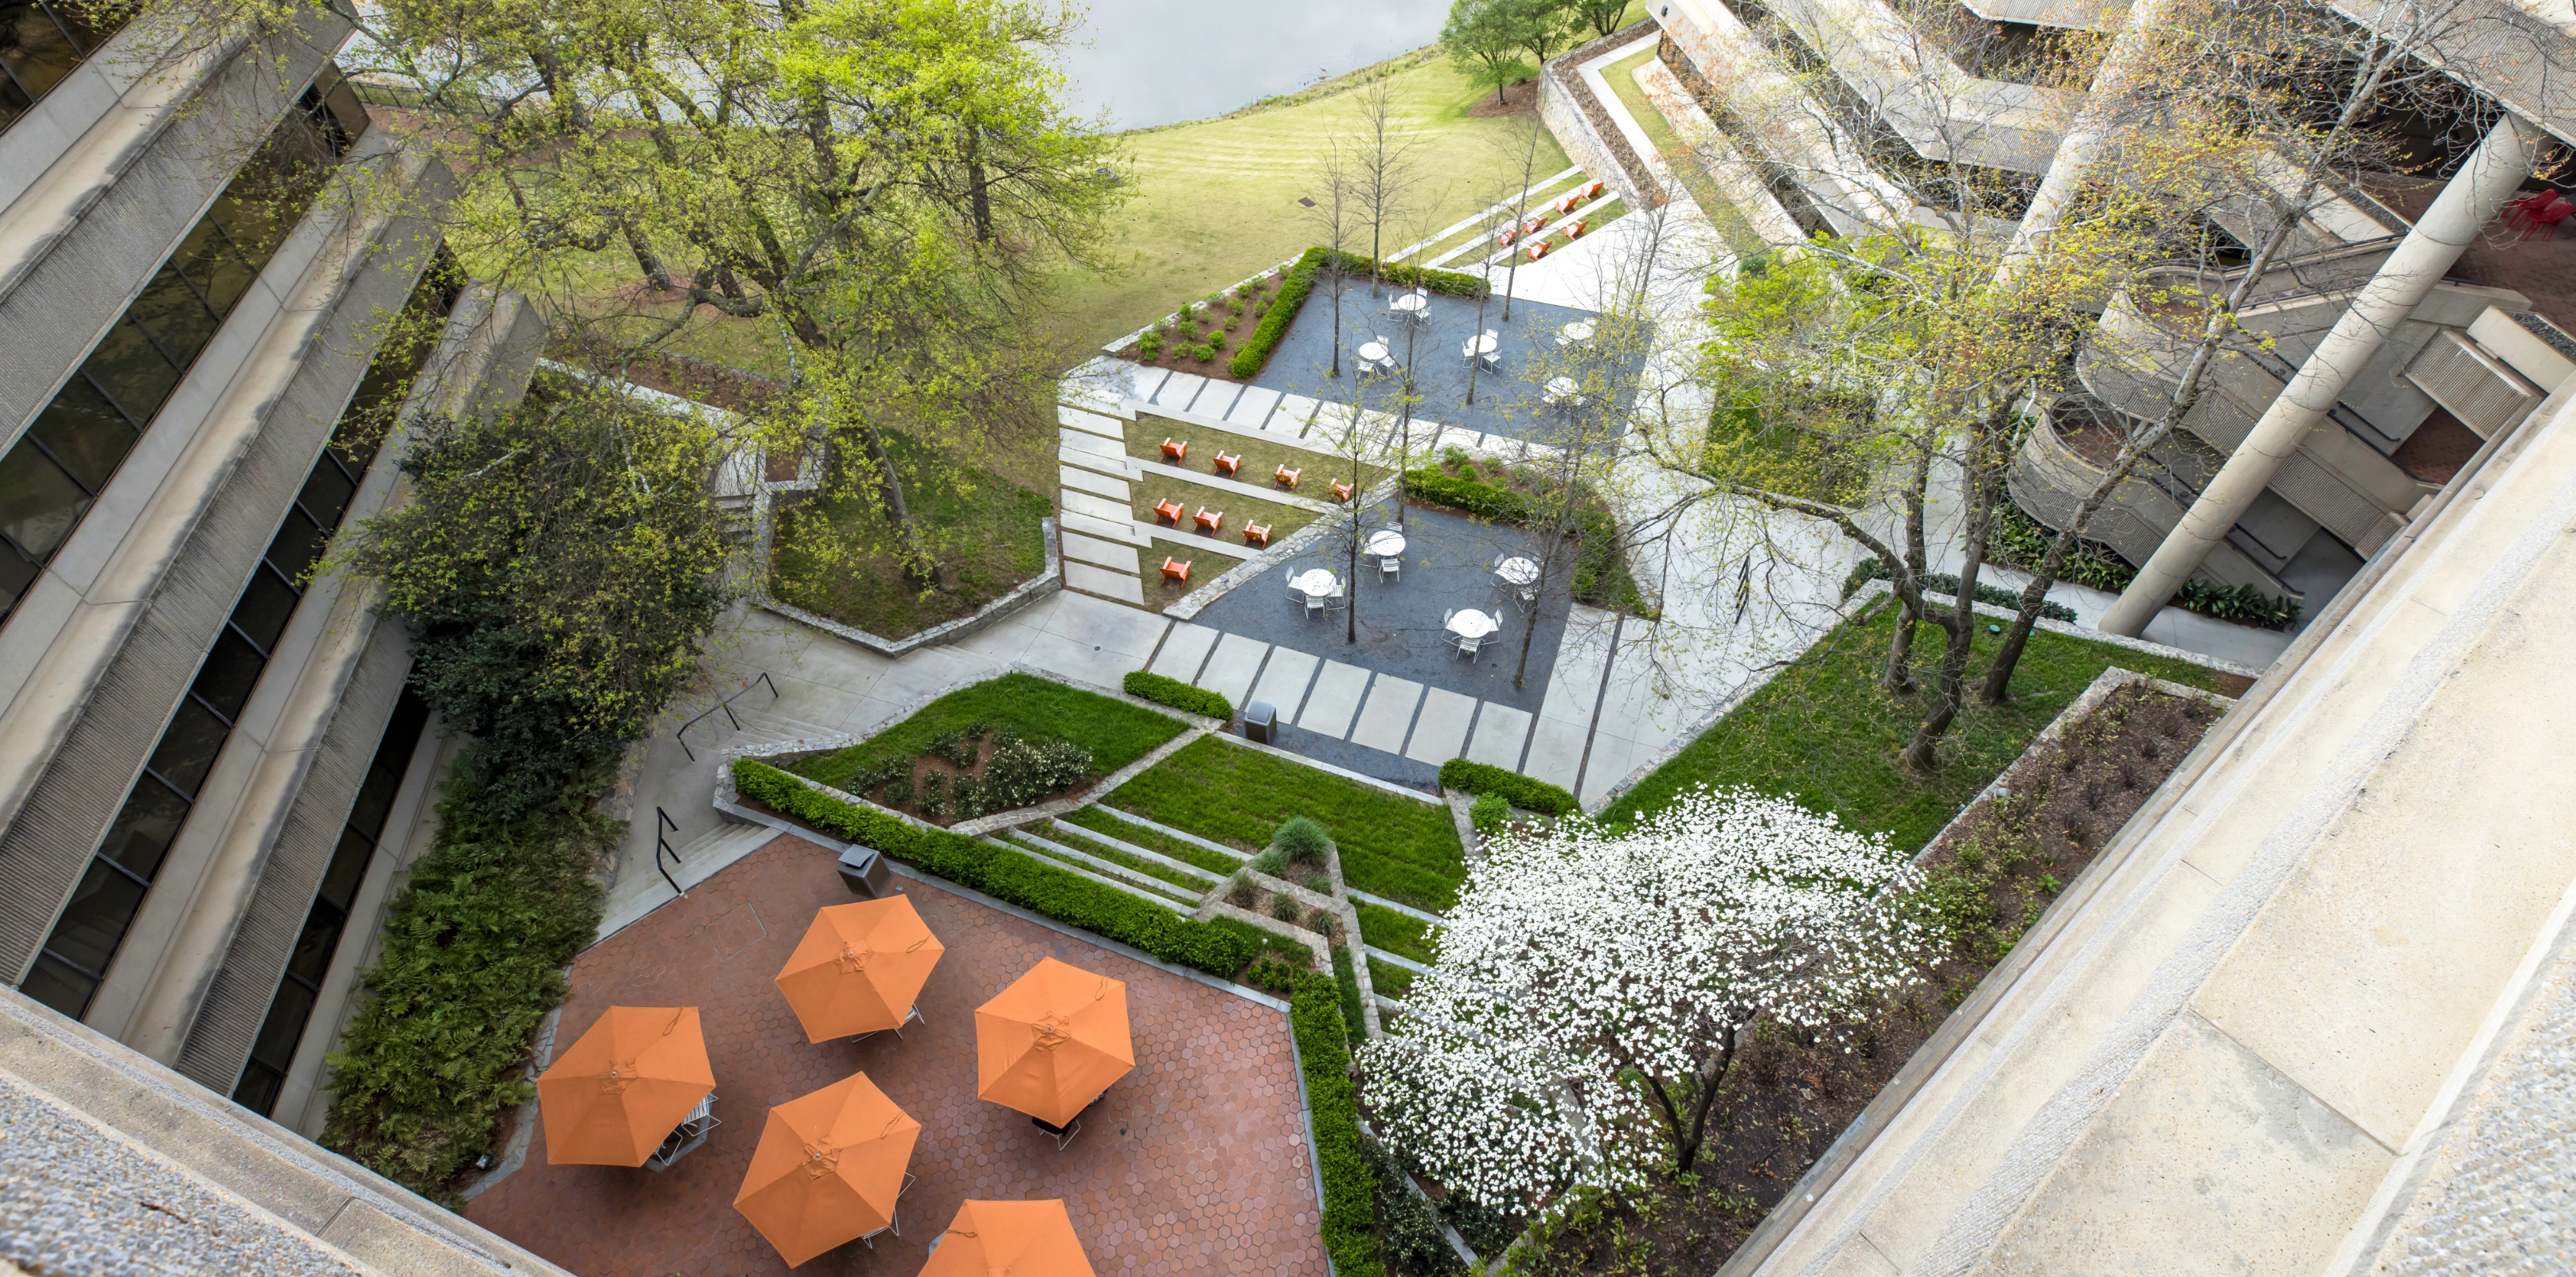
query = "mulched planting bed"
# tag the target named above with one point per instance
(961, 732)
(1205, 326)
(1990, 877)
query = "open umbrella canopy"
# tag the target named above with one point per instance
(1023, 1239)
(828, 1169)
(615, 1095)
(1053, 1041)
(859, 968)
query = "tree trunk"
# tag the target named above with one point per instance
(1337, 324)
(917, 563)
(1981, 484)
(978, 193)
(1711, 1081)
(1907, 577)
(655, 273)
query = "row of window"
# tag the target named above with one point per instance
(274, 1050)
(49, 479)
(40, 45)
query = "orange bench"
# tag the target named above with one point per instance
(1574, 230)
(1257, 534)
(1229, 466)
(1175, 451)
(1341, 491)
(1168, 509)
(1286, 477)
(1175, 569)
(1538, 250)
(1209, 522)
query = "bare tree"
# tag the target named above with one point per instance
(1385, 176)
(1335, 217)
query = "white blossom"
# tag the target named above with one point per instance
(1585, 971)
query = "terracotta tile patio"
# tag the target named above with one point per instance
(1194, 1163)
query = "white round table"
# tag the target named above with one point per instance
(1315, 583)
(1483, 345)
(1386, 543)
(1518, 571)
(1579, 330)
(1560, 389)
(1472, 624)
(1411, 303)
(1372, 352)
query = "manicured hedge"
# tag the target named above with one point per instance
(1255, 351)
(1300, 280)
(1004, 875)
(1179, 695)
(1350, 1212)
(1510, 786)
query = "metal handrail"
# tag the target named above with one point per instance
(726, 705)
(662, 844)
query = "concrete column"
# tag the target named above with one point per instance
(2084, 141)
(2462, 210)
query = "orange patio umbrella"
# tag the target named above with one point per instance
(859, 968)
(1052, 1042)
(616, 1094)
(1023, 1239)
(828, 1169)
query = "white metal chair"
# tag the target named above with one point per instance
(1062, 1135)
(909, 1017)
(1389, 566)
(894, 1218)
(1314, 605)
(687, 1136)
(1469, 646)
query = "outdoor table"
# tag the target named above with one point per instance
(1482, 345)
(1561, 390)
(1373, 354)
(1386, 543)
(1316, 583)
(1472, 624)
(1579, 330)
(1411, 304)
(1518, 571)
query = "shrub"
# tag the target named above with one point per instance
(2242, 604)
(1323, 1051)
(1349, 982)
(1601, 575)
(1414, 1242)
(1489, 813)
(1510, 786)
(1179, 695)
(1272, 973)
(1001, 873)
(474, 952)
(1274, 321)
(1241, 892)
(1150, 346)
(1285, 908)
(1320, 921)
(1300, 841)
(1453, 283)
(1232, 320)
(1025, 772)
(1868, 570)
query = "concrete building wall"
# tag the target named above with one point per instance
(114, 630)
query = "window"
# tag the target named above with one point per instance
(40, 45)
(50, 477)
(84, 941)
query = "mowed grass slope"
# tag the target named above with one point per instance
(1116, 732)
(1216, 200)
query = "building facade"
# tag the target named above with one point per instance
(2465, 320)
(223, 293)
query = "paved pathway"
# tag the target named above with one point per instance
(1197, 1162)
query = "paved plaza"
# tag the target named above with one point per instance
(1196, 1162)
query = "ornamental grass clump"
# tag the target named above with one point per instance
(1594, 986)
(1298, 843)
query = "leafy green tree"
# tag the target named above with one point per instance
(1547, 27)
(1483, 38)
(1602, 16)
(558, 567)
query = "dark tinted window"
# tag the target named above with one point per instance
(86, 434)
(143, 830)
(275, 1046)
(231, 667)
(298, 546)
(95, 920)
(38, 502)
(326, 494)
(57, 985)
(133, 369)
(189, 745)
(348, 869)
(263, 609)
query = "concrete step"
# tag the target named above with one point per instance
(1112, 868)
(1140, 893)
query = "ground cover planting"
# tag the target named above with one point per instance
(964, 732)
(1823, 733)
(1390, 845)
(833, 554)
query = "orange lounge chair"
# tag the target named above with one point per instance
(1229, 466)
(1538, 250)
(1593, 192)
(1210, 522)
(1536, 223)
(1505, 239)
(1286, 477)
(1574, 230)
(1175, 452)
(1341, 491)
(1175, 569)
(1168, 509)
(1257, 534)
(1566, 205)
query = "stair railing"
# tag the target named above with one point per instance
(662, 846)
(726, 705)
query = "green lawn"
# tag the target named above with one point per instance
(1622, 79)
(1182, 881)
(1395, 932)
(1822, 733)
(1391, 846)
(1116, 732)
(1389, 980)
(1216, 200)
(1134, 835)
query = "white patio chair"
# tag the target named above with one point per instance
(1389, 566)
(1314, 606)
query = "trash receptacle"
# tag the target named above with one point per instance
(1261, 722)
(864, 871)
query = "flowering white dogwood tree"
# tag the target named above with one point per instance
(1593, 988)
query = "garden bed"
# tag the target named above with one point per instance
(962, 732)
(1991, 876)
(1501, 492)
(832, 555)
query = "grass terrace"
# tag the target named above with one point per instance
(1115, 732)
(1821, 731)
(1391, 846)
(834, 556)
(1262, 457)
